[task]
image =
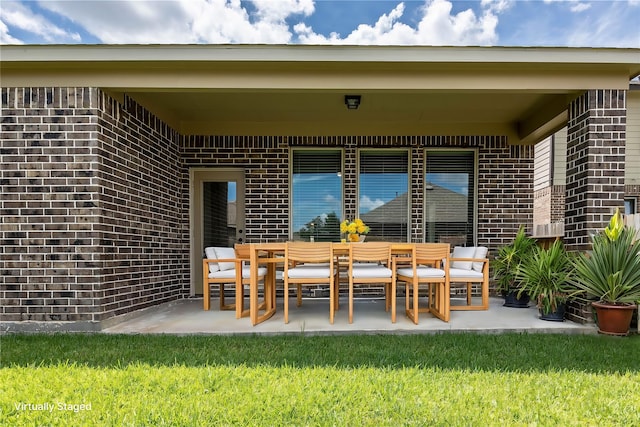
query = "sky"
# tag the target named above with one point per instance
(575, 23)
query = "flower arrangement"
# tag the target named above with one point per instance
(354, 229)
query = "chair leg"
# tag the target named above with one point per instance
(239, 301)
(299, 296)
(332, 302)
(415, 303)
(350, 300)
(393, 302)
(222, 304)
(286, 302)
(468, 293)
(206, 296)
(485, 295)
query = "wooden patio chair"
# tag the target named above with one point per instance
(226, 266)
(429, 263)
(308, 264)
(369, 262)
(470, 265)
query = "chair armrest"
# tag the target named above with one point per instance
(470, 259)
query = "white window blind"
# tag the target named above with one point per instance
(449, 197)
(383, 186)
(316, 199)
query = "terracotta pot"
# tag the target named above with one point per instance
(613, 319)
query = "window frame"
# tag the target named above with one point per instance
(402, 150)
(292, 150)
(474, 151)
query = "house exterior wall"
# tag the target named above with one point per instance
(504, 178)
(96, 200)
(93, 224)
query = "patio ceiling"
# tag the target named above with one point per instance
(299, 90)
(324, 112)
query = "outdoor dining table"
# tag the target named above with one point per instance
(272, 254)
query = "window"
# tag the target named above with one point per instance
(630, 206)
(316, 195)
(383, 185)
(450, 197)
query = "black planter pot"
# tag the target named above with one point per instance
(511, 300)
(554, 316)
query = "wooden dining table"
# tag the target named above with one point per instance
(272, 254)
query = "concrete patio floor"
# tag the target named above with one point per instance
(187, 317)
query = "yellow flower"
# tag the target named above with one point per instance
(354, 237)
(355, 227)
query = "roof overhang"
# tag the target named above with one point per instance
(299, 89)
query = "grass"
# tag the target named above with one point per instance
(370, 380)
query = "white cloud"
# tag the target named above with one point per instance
(574, 5)
(580, 7)
(367, 204)
(437, 26)
(183, 21)
(605, 29)
(5, 37)
(17, 15)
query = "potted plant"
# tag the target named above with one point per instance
(610, 275)
(545, 276)
(506, 266)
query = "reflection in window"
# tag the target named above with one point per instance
(449, 202)
(383, 188)
(316, 199)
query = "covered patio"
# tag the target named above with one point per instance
(123, 163)
(186, 317)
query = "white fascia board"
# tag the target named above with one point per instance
(308, 53)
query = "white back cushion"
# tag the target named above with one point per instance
(225, 253)
(463, 252)
(481, 252)
(211, 254)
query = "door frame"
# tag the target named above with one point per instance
(197, 178)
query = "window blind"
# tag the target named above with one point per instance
(449, 197)
(316, 199)
(382, 194)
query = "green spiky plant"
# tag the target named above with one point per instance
(546, 275)
(610, 273)
(509, 259)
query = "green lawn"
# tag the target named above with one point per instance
(343, 380)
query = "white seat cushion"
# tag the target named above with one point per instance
(371, 271)
(463, 252)
(422, 272)
(210, 253)
(455, 273)
(225, 253)
(231, 274)
(309, 272)
(481, 252)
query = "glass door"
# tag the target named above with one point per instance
(217, 214)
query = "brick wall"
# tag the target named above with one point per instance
(92, 225)
(505, 192)
(144, 224)
(50, 204)
(505, 198)
(595, 164)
